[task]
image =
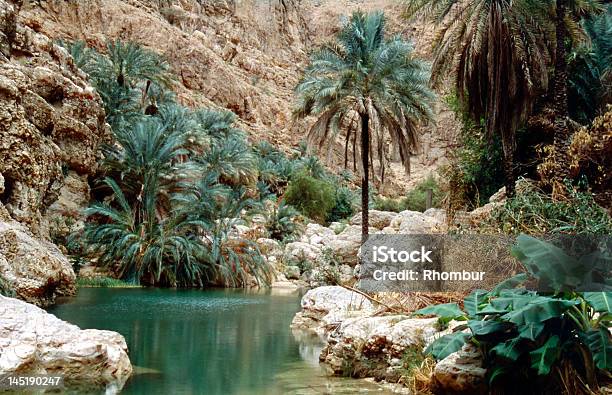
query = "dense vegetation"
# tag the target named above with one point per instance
(553, 340)
(177, 180)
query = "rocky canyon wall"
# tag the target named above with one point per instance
(243, 55)
(51, 124)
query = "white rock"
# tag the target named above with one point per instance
(36, 270)
(461, 373)
(299, 250)
(377, 219)
(33, 341)
(319, 230)
(326, 306)
(270, 247)
(414, 222)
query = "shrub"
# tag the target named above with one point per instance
(387, 204)
(558, 339)
(103, 282)
(282, 223)
(314, 198)
(535, 212)
(344, 204)
(478, 163)
(416, 198)
(5, 289)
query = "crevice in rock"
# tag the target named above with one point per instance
(7, 191)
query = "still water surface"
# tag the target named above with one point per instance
(224, 342)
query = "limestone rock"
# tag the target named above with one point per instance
(374, 346)
(34, 269)
(325, 307)
(33, 341)
(51, 122)
(461, 373)
(414, 222)
(377, 219)
(299, 250)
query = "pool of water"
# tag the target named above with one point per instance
(208, 342)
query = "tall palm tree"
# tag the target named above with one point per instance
(495, 53)
(566, 11)
(370, 87)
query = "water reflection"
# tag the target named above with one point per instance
(206, 342)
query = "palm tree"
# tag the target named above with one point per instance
(565, 11)
(372, 88)
(590, 69)
(494, 51)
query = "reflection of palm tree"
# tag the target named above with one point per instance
(363, 76)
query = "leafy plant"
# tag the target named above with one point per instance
(590, 68)
(416, 198)
(535, 212)
(344, 205)
(283, 222)
(314, 198)
(5, 289)
(102, 282)
(527, 334)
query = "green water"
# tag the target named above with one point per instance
(208, 342)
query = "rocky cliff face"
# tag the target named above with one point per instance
(242, 55)
(51, 125)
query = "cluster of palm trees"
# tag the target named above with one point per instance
(174, 179)
(503, 57)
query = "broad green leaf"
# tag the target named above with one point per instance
(446, 310)
(447, 344)
(497, 371)
(474, 300)
(511, 283)
(600, 301)
(545, 357)
(483, 328)
(549, 264)
(600, 344)
(531, 330)
(539, 310)
(509, 349)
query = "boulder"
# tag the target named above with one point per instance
(461, 373)
(326, 307)
(438, 213)
(345, 246)
(270, 247)
(33, 341)
(377, 219)
(375, 346)
(34, 269)
(314, 229)
(299, 250)
(414, 222)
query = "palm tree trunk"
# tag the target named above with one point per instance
(509, 168)
(365, 185)
(560, 106)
